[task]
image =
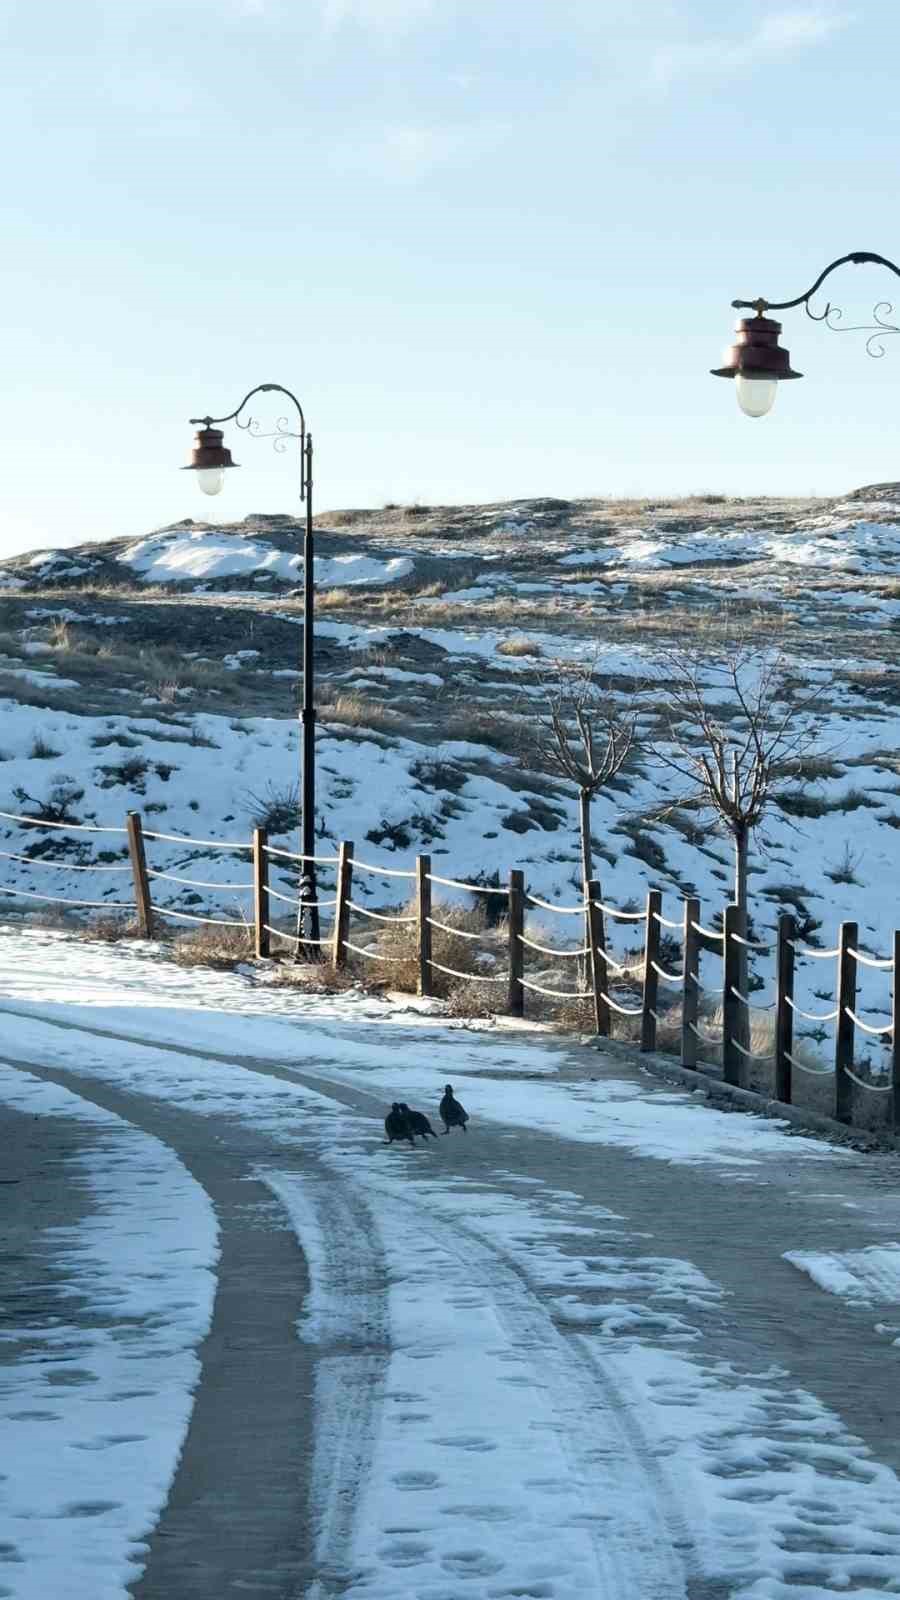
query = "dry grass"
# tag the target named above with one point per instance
(357, 712)
(213, 947)
(518, 645)
(397, 944)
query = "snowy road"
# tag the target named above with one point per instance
(609, 1343)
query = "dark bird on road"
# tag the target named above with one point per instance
(418, 1122)
(396, 1124)
(452, 1114)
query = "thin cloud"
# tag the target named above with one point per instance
(408, 153)
(781, 34)
(380, 15)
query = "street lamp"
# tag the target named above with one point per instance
(210, 460)
(756, 361)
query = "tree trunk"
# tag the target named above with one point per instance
(587, 873)
(584, 812)
(741, 842)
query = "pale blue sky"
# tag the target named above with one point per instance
(490, 243)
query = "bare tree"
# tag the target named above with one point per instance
(734, 729)
(581, 735)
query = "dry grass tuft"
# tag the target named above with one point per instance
(357, 712)
(213, 947)
(398, 944)
(518, 645)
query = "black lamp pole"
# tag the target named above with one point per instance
(757, 361)
(210, 460)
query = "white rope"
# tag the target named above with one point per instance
(628, 970)
(385, 872)
(667, 977)
(751, 944)
(195, 883)
(479, 977)
(291, 900)
(876, 1088)
(66, 866)
(814, 1072)
(558, 994)
(751, 1055)
(206, 844)
(71, 827)
(377, 916)
(623, 916)
(885, 962)
(459, 933)
(216, 922)
(291, 855)
(706, 1037)
(665, 922)
(546, 950)
(470, 888)
(816, 955)
(563, 911)
(623, 1011)
(291, 937)
(372, 955)
(866, 1028)
(63, 900)
(755, 1005)
(708, 933)
(812, 1016)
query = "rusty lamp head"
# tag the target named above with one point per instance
(757, 363)
(209, 459)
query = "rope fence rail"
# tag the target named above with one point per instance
(637, 974)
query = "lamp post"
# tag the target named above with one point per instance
(756, 361)
(210, 460)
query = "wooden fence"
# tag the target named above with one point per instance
(601, 980)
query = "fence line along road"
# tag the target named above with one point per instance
(638, 975)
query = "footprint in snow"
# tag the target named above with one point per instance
(416, 1480)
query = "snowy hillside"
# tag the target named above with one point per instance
(162, 675)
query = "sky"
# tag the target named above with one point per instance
(490, 244)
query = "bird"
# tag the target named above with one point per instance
(396, 1124)
(418, 1122)
(452, 1114)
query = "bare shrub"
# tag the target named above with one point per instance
(42, 751)
(276, 808)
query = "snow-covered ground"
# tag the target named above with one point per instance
(555, 1418)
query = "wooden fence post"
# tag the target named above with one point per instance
(261, 893)
(142, 901)
(843, 1027)
(423, 915)
(342, 903)
(690, 995)
(597, 944)
(651, 976)
(516, 947)
(731, 1006)
(784, 999)
(895, 1039)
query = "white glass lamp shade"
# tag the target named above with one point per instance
(755, 396)
(210, 479)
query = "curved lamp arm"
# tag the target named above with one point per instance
(857, 257)
(280, 434)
